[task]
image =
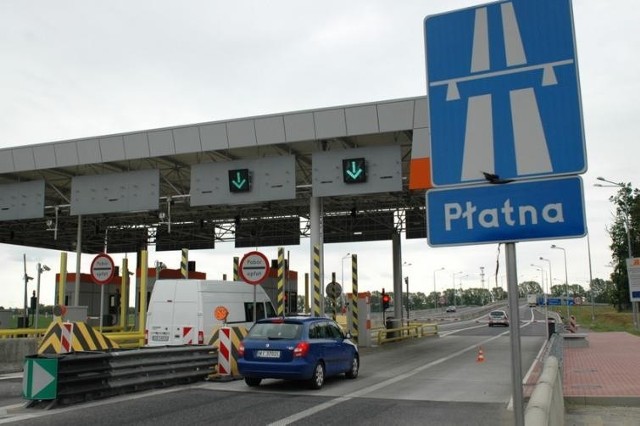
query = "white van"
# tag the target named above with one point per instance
(181, 312)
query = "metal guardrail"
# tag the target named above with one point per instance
(410, 331)
(85, 376)
(21, 332)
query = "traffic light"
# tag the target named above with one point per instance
(239, 180)
(354, 170)
(386, 299)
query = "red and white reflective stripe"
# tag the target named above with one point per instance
(66, 335)
(187, 335)
(224, 351)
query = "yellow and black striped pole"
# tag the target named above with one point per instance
(306, 293)
(124, 293)
(280, 281)
(184, 263)
(354, 296)
(236, 275)
(317, 294)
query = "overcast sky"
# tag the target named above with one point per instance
(75, 69)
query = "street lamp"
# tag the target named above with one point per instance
(539, 268)
(342, 266)
(27, 278)
(550, 282)
(435, 295)
(546, 305)
(627, 227)
(406, 281)
(566, 277)
(41, 269)
(453, 277)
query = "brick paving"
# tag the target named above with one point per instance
(601, 382)
(609, 367)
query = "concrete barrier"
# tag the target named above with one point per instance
(13, 351)
(546, 405)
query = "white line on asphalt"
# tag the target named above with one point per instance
(373, 388)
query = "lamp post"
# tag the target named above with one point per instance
(482, 283)
(539, 268)
(627, 227)
(342, 266)
(406, 281)
(566, 278)
(435, 295)
(550, 282)
(546, 304)
(453, 277)
(27, 278)
(41, 269)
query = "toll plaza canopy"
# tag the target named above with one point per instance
(250, 180)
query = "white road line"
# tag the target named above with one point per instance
(385, 383)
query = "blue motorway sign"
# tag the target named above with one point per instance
(517, 211)
(503, 92)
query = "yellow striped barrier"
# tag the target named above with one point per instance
(410, 331)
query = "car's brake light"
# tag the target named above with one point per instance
(201, 337)
(301, 350)
(241, 350)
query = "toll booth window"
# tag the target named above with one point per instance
(248, 310)
(271, 312)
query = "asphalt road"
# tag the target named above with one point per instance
(434, 380)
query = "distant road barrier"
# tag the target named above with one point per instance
(411, 331)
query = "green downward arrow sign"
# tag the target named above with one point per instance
(354, 171)
(239, 182)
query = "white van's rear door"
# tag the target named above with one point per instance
(185, 323)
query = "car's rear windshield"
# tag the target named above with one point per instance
(279, 330)
(497, 314)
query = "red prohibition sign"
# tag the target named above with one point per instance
(253, 268)
(102, 269)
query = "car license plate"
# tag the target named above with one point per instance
(160, 338)
(268, 354)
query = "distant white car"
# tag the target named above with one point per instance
(498, 317)
(451, 309)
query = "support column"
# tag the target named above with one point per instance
(76, 290)
(397, 278)
(317, 252)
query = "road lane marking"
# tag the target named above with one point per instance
(359, 393)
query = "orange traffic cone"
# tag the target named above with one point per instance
(480, 357)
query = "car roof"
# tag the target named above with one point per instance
(297, 318)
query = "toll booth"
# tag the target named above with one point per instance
(363, 334)
(5, 318)
(89, 298)
(270, 285)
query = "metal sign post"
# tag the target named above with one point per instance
(253, 269)
(514, 333)
(102, 271)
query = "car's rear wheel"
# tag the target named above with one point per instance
(317, 379)
(252, 381)
(355, 368)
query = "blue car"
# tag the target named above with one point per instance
(297, 348)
